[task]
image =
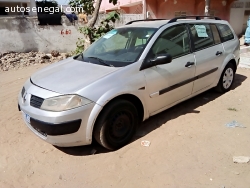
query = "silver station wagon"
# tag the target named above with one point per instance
(131, 73)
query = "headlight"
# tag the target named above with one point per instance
(65, 102)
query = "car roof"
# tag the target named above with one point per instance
(159, 23)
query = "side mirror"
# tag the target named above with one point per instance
(161, 59)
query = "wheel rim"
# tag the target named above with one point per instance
(120, 126)
(228, 78)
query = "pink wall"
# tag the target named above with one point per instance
(167, 8)
(106, 5)
(152, 8)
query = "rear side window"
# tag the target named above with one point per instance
(202, 36)
(215, 34)
(225, 32)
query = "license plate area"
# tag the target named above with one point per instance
(27, 117)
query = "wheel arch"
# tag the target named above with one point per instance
(134, 100)
(98, 110)
(233, 61)
(229, 59)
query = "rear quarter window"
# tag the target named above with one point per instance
(225, 32)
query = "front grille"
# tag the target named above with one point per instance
(36, 101)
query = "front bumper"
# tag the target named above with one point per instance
(67, 128)
(55, 129)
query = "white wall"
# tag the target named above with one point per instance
(237, 18)
(32, 4)
(14, 3)
(24, 34)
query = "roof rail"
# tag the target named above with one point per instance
(197, 18)
(143, 21)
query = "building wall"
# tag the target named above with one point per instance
(11, 5)
(238, 16)
(152, 8)
(222, 9)
(106, 6)
(15, 3)
(24, 35)
(166, 9)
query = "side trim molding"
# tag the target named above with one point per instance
(165, 90)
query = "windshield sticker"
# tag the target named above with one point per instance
(110, 34)
(201, 30)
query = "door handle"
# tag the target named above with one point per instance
(189, 64)
(218, 53)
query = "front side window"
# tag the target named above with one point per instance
(225, 32)
(174, 41)
(118, 48)
(202, 36)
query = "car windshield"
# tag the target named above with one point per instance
(119, 47)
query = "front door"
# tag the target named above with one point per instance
(169, 83)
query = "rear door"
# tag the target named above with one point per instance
(209, 54)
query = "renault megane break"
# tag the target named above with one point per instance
(128, 75)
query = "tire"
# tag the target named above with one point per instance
(226, 80)
(116, 124)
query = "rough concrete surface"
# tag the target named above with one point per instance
(14, 61)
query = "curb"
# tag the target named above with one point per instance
(244, 62)
(245, 50)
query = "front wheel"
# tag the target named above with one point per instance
(226, 79)
(116, 124)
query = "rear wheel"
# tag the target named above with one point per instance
(226, 79)
(116, 124)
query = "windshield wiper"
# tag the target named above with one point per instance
(101, 61)
(78, 55)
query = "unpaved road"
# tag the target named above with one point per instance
(190, 146)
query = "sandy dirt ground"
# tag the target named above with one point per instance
(191, 147)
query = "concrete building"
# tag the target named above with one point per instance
(236, 12)
(11, 6)
(239, 14)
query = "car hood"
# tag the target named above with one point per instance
(69, 76)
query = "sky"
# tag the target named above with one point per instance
(62, 2)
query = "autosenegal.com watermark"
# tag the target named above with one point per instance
(50, 10)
